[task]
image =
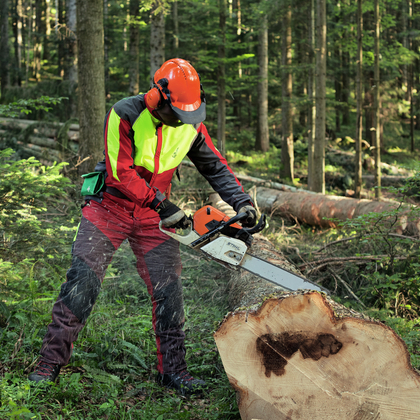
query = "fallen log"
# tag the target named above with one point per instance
(301, 355)
(258, 181)
(9, 123)
(317, 209)
(39, 151)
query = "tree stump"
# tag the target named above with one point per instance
(303, 356)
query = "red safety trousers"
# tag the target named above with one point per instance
(104, 226)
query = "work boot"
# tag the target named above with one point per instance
(45, 372)
(181, 382)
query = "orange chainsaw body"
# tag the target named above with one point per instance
(206, 219)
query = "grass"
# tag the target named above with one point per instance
(112, 370)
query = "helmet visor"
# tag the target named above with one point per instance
(190, 117)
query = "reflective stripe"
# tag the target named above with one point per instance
(113, 143)
(77, 231)
(176, 143)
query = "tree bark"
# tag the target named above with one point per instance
(106, 45)
(18, 42)
(37, 40)
(318, 184)
(157, 38)
(377, 131)
(90, 49)
(221, 80)
(61, 42)
(263, 141)
(46, 44)
(311, 89)
(4, 47)
(134, 50)
(176, 25)
(287, 154)
(71, 56)
(359, 97)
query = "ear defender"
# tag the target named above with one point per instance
(154, 98)
(158, 95)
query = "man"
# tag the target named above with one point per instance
(146, 138)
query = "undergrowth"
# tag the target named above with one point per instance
(112, 371)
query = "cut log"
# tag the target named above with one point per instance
(314, 209)
(301, 356)
(295, 357)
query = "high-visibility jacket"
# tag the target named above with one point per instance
(142, 154)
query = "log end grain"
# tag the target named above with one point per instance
(294, 358)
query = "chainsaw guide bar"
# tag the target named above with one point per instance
(224, 241)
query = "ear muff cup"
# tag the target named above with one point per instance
(154, 98)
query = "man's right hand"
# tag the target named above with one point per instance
(171, 215)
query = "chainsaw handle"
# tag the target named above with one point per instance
(208, 235)
(258, 227)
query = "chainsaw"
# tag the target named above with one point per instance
(223, 240)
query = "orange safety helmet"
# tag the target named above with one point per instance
(178, 84)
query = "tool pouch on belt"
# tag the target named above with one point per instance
(93, 183)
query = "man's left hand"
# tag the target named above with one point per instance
(251, 218)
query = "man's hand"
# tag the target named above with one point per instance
(251, 218)
(172, 216)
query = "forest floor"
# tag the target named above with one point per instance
(112, 371)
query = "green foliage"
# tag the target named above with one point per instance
(389, 280)
(25, 106)
(26, 189)
(36, 226)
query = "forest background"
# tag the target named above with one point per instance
(315, 94)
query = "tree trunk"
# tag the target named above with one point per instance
(221, 82)
(134, 51)
(37, 40)
(263, 141)
(46, 46)
(303, 356)
(404, 69)
(71, 56)
(345, 93)
(90, 49)
(287, 154)
(311, 89)
(157, 38)
(176, 26)
(359, 97)
(318, 184)
(4, 47)
(315, 209)
(377, 131)
(338, 72)
(18, 42)
(61, 42)
(106, 45)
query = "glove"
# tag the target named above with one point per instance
(251, 218)
(171, 215)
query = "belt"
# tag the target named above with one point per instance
(116, 193)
